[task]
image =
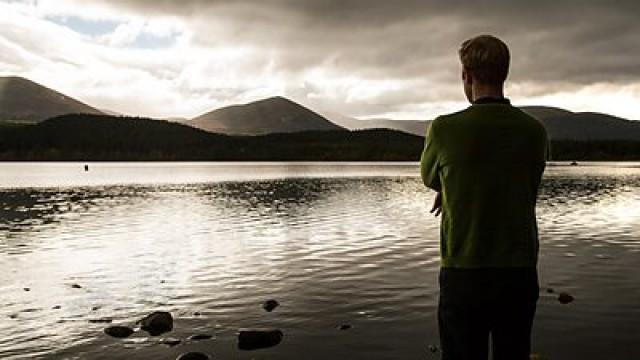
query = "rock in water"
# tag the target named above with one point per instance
(344, 327)
(76, 286)
(565, 298)
(252, 339)
(171, 342)
(118, 331)
(270, 305)
(193, 356)
(157, 323)
(197, 337)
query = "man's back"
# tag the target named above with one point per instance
(487, 160)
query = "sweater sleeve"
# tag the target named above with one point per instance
(429, 161)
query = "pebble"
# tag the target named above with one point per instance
(565, 298)
(193, 356)
(118, 331)
(100, 321)
(157, 323)
(252, 339)
(270, 305)
(197, 337)
(171, 342)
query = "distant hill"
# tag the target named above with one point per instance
(415, 127)
(566, 125)
(102, 137)
(272, 115)
(561, 124)
(22, 100)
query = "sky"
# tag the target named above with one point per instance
(360, 58)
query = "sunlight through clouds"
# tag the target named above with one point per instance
(170, 59)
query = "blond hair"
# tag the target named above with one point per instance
(487, 58)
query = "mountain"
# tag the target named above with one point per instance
(415, 127)
(272, 115)
(566, 125)
(560, 123)
(22, 100)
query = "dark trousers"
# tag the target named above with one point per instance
(478, 304)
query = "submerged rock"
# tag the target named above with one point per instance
(118, 331)
(270, 305)
(565, 298)
(170, 342)
(252, 339)
(197, 337)
(157, 323)
(193, 356)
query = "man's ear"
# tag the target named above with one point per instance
(466, 76)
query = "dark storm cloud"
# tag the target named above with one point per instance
(570, 41)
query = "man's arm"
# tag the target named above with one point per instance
(429, 161)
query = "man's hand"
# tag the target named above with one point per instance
(437, 204)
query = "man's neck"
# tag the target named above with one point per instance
(484, 91)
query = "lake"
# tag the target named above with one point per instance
(335, 244)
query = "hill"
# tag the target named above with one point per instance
(566, 125)
(415, 127)
(24, 101)
(102, 137)
(272, 115)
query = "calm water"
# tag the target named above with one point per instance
(334, 243)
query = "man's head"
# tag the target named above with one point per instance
(485, 64)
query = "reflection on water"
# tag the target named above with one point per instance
(334, 244)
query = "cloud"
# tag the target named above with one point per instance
(366, 58)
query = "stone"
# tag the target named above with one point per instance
(197, 337)
(157, 323)
(118, 331)
(56, 307)
(565, 298)
(344, 327)
(95, 308)
(252, 339)
(170, 342)
(193, 356)
(26, 289)
(76, 286)
(270, 305)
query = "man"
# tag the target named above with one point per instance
(486, 164)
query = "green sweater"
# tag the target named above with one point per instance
(487, 161)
